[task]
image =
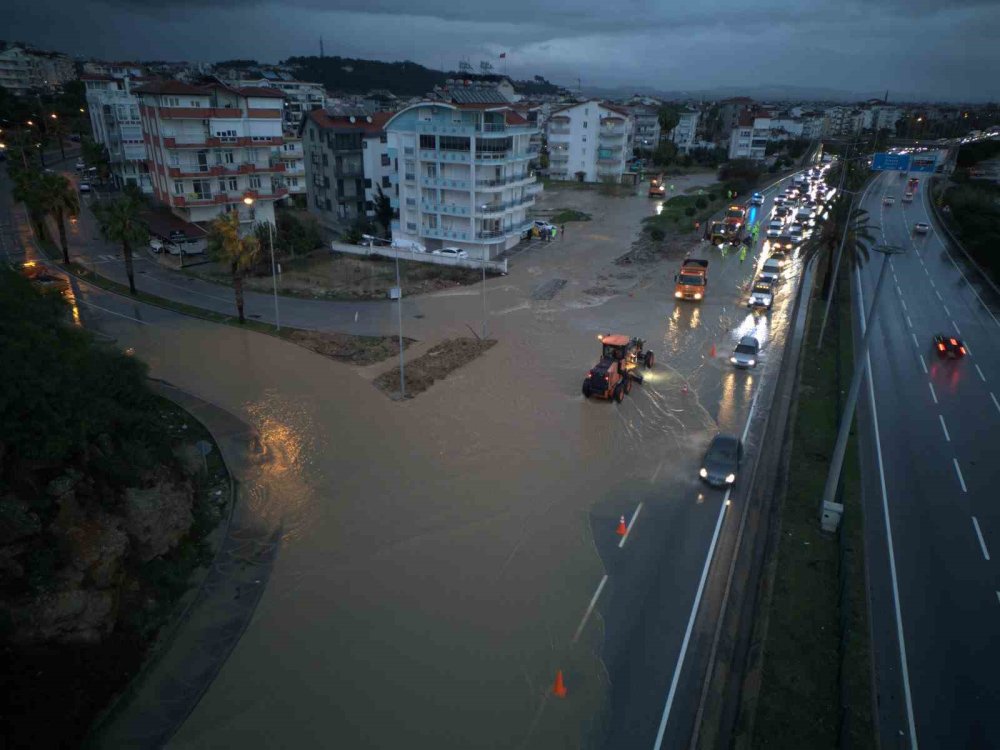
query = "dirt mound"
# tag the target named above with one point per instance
(358, 350)
(438, 363)
(647, 250)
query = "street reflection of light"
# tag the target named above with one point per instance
(659, 208)
(727, 401)
(701, 498)
(130, 351)
(695, 317)
(74, 308)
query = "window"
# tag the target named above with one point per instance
(329, 206)
(203, 189)
(383, 138)
(178, 187)
(254, 182)
(233, 185)
(584, 124)
(171, 101)
(369, 206)
(368, 184)
(227, 157)
(385, 160)
(326, 160)
(385, 181)
(222, 186)
(428, 141)
(293, 181)
(453, 143)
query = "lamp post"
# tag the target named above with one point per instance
(837, 460)
(249, 201)
(55, 126)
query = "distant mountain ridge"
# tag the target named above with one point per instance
(775, 92)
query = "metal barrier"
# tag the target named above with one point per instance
(497, 266)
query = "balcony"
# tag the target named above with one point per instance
(556, 130)
(451, 209)
(504, 181)
(446, 156)
(486, 129)
(443, 182)
(611, 134)
(444, 234)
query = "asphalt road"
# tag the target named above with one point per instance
(932, 471)
(444, 557)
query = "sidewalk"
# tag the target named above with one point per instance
(164, 694)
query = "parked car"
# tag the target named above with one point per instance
(746, 352)
(156, 245)
(84, 187)
(544, 226)
(80, 166)
(451, 252)
(412, 245)
(722, 461)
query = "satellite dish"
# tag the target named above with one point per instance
(352, 118)
(368, 118)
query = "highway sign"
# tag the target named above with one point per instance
(923, 163)
(885, 162)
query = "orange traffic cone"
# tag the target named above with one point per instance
(559, 689)
(711, 352)
(621, 530)
(684, 388)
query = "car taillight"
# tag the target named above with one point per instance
(940, 347)
(953, 342)
(962, 349)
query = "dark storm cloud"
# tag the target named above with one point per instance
(919, 46)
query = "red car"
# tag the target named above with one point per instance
(949, 347)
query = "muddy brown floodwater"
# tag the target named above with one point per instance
(438, 553)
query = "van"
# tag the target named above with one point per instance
(411, 245)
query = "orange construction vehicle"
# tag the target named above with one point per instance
(692, 280)
(612, 376)
(736, 215)
(657, 187)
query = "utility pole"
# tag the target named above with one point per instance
(831, 511)
(399, 319)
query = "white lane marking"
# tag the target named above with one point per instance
(961, 273)
(697, 598)
(968, 349)
(921, 261)
(933, 393)
(922, 363)
(628, 529)
(959, 331)
(944, 427)
(888, 528)
(690, 625)
(933, 284)
(958, 470)
(982, 377)
(909, 322)
(995, 402)
(112, 312)
(657, 472)
(914, 337)
(982, 542)
(946, 310)
(998, 596)
(590, 608)
(903, 303)
(939, 295)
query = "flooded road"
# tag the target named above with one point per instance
(438, 555)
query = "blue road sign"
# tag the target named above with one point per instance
(885, 162)
(923, 163)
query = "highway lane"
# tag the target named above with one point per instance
(448, 578)
(938, 429)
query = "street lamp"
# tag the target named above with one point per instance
(248, 200)
(828, 506)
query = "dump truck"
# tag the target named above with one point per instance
(692, 280)
(657, 187)
(736, 216)
(612, 376)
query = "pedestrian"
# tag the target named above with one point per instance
(562, 230)
(553, 233)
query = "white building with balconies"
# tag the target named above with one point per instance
(462, 176)
(115, 123)
(210, 147)
(589, 142)
(748, 139)
(684, 133)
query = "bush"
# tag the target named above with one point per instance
(701, 203)
(690, 211)
(657, 234)
(712, 197)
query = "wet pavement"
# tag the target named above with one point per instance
(438, 555)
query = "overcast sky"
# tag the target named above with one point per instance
(947, 49)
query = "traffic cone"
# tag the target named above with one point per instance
(559, 689)
(684, 388)
(621, 530)
(711, 352)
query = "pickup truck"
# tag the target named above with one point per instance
(692, 280)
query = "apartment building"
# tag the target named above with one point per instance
(114, 69)
(346, 164)
(25, 71)
(292, 156)
(844, 120)
(210, 146)
(748, 140)
(684, 135)
(646, 130)
(114, 120)
(462, 177)
(301, 97)
(589, 142)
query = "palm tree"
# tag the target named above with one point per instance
(61, 199)
(120, 223)
(28, 189)
(241, 253)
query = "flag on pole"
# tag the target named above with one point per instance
(503, 55)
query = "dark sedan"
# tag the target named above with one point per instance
(722, 461)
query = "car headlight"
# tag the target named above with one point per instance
(733, 360)
(730, 478)
(677, 295)
(750, 301)
(752, 362)
(703, 473)
(697, 295)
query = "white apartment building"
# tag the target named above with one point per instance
(646, 130)
(684, 134)
(589, 142)
(114, 69)
(844, 120)
(346, 164)
(785, 128)
(748, 139)
(301, 97)
(291, 155)
(24, 71)
(114, 120)
(462, 176)
(210, 146)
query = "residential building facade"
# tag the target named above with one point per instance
(346, 161)
(748, 140)
(210, 147)
(646, 128)
(684, 135)
(115, 122)
(461, 176)
(25, 71)
(589, 142)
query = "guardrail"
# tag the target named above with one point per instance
(498, 266)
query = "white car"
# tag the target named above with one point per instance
(889, 200)
(804, 214)
(775, 228)
(907, 197)
(544, 226)
(156, 245)
(411, 245)
(921, 227)
(451, 252)
(796, 232)
(770, 270)
(84, 187)
(80, 166)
